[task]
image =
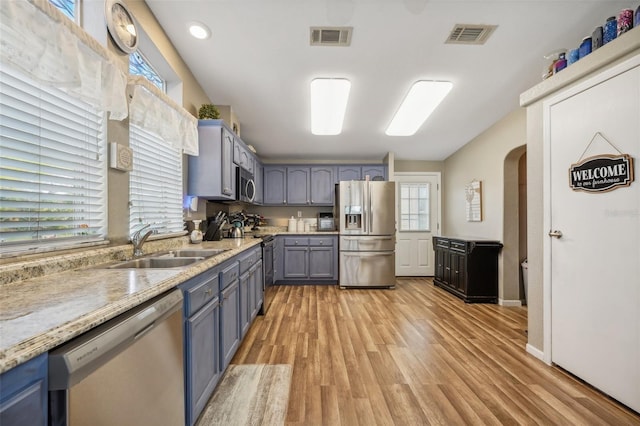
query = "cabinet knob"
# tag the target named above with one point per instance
(321, 242)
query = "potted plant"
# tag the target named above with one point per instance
(208, 111)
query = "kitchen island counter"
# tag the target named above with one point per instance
(38, 314)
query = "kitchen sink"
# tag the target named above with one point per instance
(166, 259)
(204, 253)
(155, 262)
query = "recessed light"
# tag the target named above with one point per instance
(329, 98)
(199, 30)
(422, 99)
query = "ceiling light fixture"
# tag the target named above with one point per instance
(199, 30)
(422, 99)
(329, 98)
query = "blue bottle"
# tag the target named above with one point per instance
(610, 30)
(636, 20)
(585, 46)
(574, 55)
(560, 64)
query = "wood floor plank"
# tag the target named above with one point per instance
(415, 355)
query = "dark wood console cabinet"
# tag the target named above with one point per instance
(467, 268)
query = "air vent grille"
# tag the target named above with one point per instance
(331, 36)
(470, 34)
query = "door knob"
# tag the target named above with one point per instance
(555, 233)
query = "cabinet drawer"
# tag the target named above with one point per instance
(321, 241)
(229, 274)
(296, 241)
(198, 295)
(440, 243)
(246, 260)
(459, 246)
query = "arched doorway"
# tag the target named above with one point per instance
(515, 226)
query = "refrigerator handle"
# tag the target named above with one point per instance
(369, 208)
(367, 215)
(370, 230)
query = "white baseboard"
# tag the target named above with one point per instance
(510, 303)
(535, 352)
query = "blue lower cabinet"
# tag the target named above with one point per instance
(229, 312)
(256, 288)
(201, 340)
(203, 357)
(245, 302)
(308, 259)
(218, 308)
(23, 394)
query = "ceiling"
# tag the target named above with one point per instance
(259, 61)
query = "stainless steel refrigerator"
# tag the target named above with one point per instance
(366, 213)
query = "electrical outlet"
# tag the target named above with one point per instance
(299, 213)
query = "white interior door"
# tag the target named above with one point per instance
(595, 264)
(418, 217)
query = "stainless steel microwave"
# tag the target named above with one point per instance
(245, 186)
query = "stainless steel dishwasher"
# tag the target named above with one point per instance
(127, 371)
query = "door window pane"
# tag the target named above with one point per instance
(414, 207)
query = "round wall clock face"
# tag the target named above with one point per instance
(121, 26)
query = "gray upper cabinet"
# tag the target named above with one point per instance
(322, 187)
(242, 156)
(374, 171)
(360, 172)
(211, 174)
(228, 175)
(298, 185)
(349, 173)
(275, 185)
(258, 179)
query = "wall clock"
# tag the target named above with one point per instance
(121, 25)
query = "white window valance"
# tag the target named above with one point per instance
(155, 112)
(39, 40)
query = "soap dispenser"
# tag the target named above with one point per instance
(196, 234)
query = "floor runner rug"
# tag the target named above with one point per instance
(249, 394)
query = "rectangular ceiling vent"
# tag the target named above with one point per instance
(470, 34)
(331, 36)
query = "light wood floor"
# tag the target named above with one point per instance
(414, 356)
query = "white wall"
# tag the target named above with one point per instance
(483, 159)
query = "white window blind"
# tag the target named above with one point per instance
(155, 184)
(52, 168)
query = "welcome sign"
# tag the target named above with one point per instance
(601, 173)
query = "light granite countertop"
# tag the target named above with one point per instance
(47, 301)
(38, 314)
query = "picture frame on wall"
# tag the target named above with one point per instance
(473, 198)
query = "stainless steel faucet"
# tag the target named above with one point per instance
(138, 241)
